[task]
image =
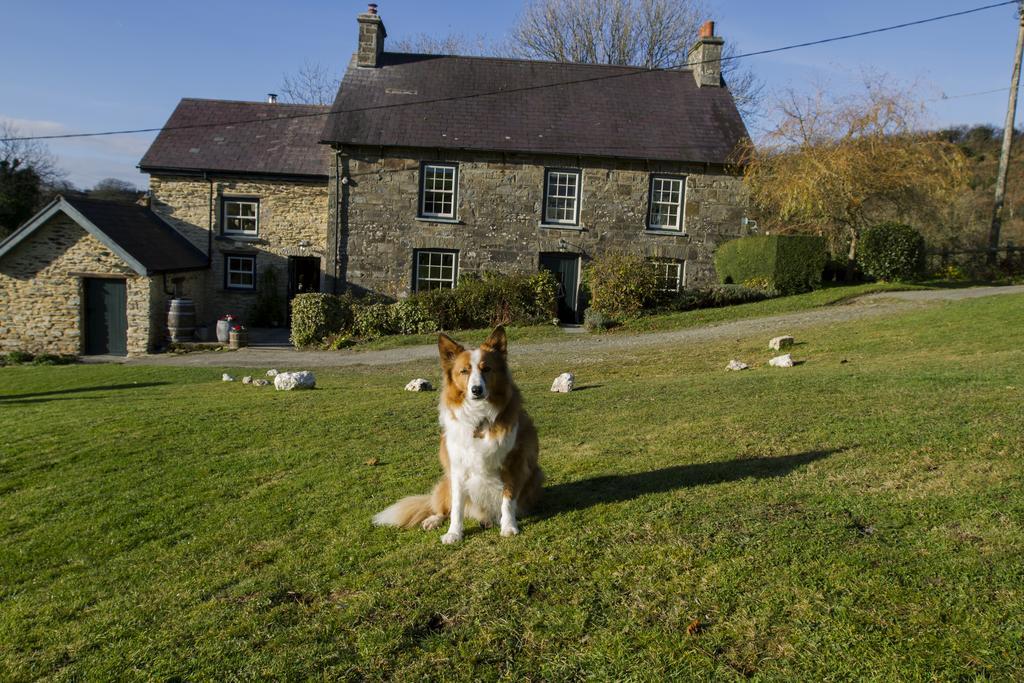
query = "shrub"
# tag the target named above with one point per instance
(788, 264)
(440, 305)
(621, 285)
(595, 320)
(374, 320)
(892, 252)
(717, 296)
(17, 357)
(336, 342)
(315, 316)
(268, 311)
(410, 316)
(52, 359)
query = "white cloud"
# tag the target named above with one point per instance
(89, 160)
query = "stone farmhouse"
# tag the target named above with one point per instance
(426, 167)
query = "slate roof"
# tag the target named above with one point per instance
(245, 137)
(608, 112)
(135, 233)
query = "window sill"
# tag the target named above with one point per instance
(449, 221)
(662, 231)
(562, 226)
(253, 239)
(240, 290)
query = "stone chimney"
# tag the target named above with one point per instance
(705, 57)
(371, 37)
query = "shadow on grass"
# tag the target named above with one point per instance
(20, 398)
(579, 495)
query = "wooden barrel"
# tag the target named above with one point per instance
(181, 320)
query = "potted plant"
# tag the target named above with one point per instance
(238, 337)
(224, 325)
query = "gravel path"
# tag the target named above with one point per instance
(869, 306)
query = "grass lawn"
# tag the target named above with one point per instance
(666, 321)
(837, 520)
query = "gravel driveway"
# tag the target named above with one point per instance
(869, 306)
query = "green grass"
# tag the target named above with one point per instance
(838, 520)
(665, 321)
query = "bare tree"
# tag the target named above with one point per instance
(313, 83)
(451, 44)
(654, 34)
(30, 154)
(115, 190)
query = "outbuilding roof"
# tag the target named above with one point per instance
(509, 105)
(227, 136)
(137, 235)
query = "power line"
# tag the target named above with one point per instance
(966, 94)
(510, 91)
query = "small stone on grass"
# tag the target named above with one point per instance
(564, 383)
(785, 361)
(737, 365)
(419, 384)
(781, 343)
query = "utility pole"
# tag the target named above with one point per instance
(1004, 156)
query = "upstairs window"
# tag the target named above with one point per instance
(240, 272)
(669, 274)
(439, 185)
(667, 196)
(241, 216)
(435, 269)
(561, 197)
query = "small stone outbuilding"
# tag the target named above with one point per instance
(90, 277)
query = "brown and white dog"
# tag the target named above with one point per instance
(489, 446)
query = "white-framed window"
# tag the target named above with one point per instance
(241, 216)
(435, 269)
(667, 196)
(670, 275)
(561, 197)
(439, 190)
(239, 272)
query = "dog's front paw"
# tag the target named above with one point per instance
(451, 538)
(432, 522)
(509, 530)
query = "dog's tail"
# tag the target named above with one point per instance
(406, 513)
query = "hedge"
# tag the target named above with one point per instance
(483, 301)
(892, 252)
(789, 264)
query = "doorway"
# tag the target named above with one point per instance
(566, 269)
(106, 317)
(303, 275)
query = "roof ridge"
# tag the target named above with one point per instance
(553, 62)
(255, 102)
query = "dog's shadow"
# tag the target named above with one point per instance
(616, 488)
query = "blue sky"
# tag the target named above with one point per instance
(111, 64)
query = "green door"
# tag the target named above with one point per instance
(566, 269)
(106, 317)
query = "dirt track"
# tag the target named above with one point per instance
(869, 306)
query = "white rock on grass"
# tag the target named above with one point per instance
(564, 383)
(736, 365)
(287, 381)
(272, 373)
(247, 380)
(781, 343)
(419, 384)
(260, 383)
(785, 361)
(226, 378)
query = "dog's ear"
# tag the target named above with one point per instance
(497, 341)
(449, 349)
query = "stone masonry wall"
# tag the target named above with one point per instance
(41, 290)
(293, 221)
(499, 215)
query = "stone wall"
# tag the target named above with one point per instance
(499, 215)
(293, 221)
(41, 290)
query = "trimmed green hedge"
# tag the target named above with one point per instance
(892, 252)
(621, 285)
(789, 264)
(477, 302)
